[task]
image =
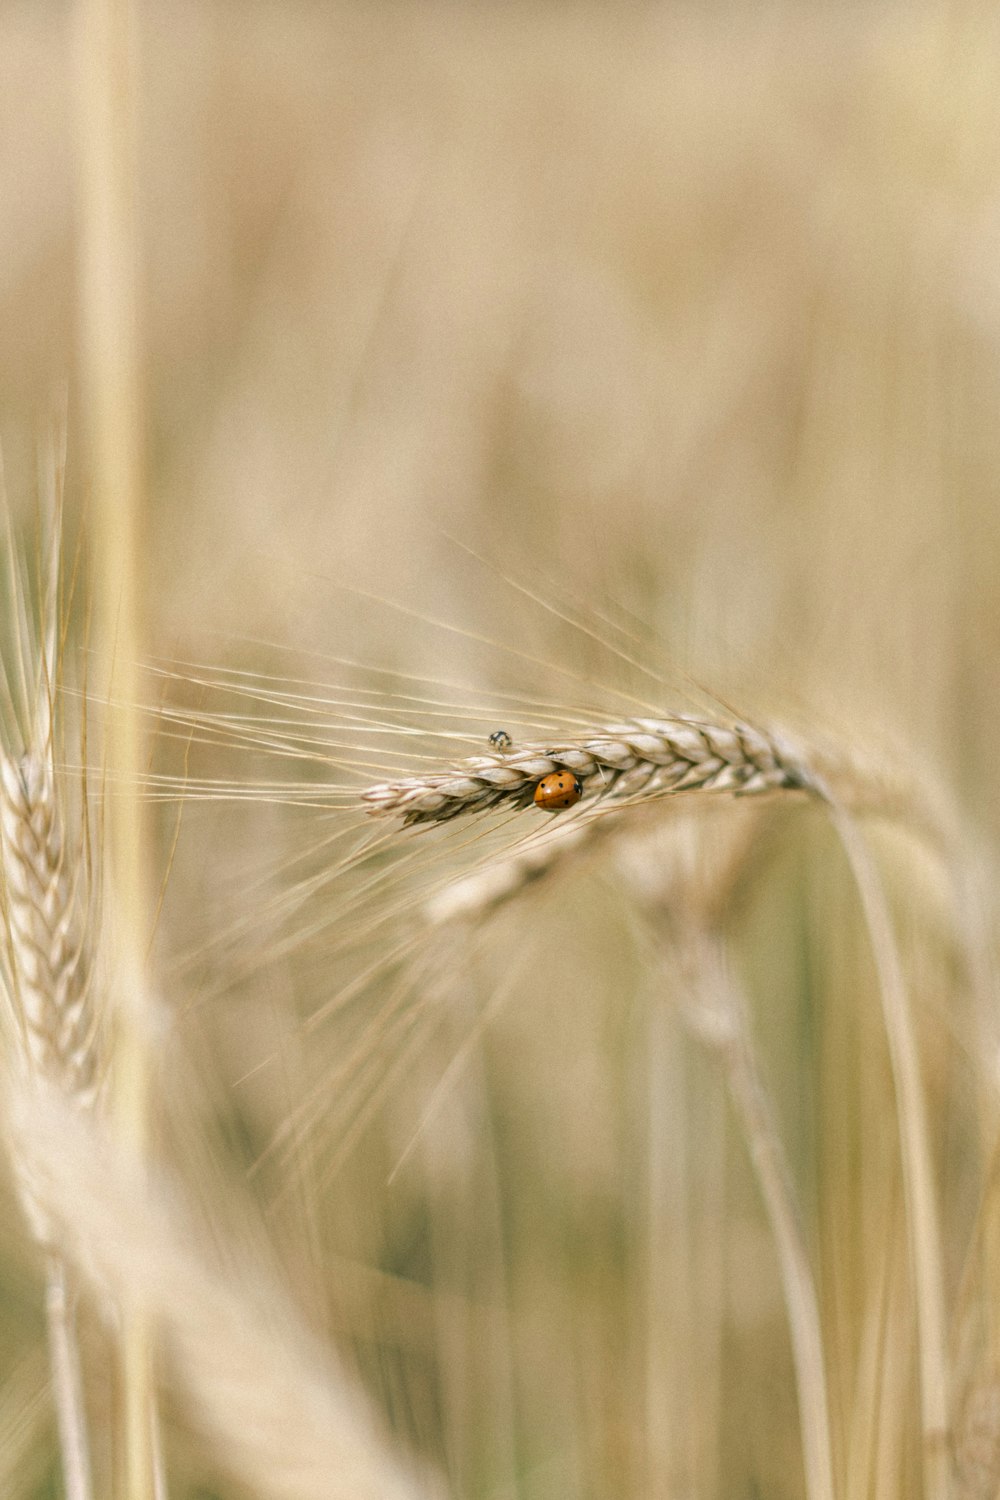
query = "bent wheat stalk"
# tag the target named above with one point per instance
(717, 1015)
(682, 886)
(922, 1213)
(643, 758)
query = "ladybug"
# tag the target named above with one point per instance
(558, 790)
(501, 740)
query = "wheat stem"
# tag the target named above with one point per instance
(918, 1172)
(66, 1383)
(111, 360)
(717, 1016)
(801, 1300)
(683, 899)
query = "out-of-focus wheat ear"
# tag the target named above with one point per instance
(271, 1403)
(633, 834)
(475, 897)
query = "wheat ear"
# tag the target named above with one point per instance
(46, 972)
(46, 935)
(644, 758)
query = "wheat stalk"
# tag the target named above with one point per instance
(718, 1015)
(682, 895)
(923, 1216)
(643, 758)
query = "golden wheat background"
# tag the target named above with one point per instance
(534, 366)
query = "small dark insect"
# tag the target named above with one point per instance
(558, 790)
(501, 740)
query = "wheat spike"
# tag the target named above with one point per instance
(47, 967)
(643, 758)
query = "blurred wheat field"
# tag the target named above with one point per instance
(540, 368)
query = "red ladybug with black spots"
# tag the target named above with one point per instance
(558, 790)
